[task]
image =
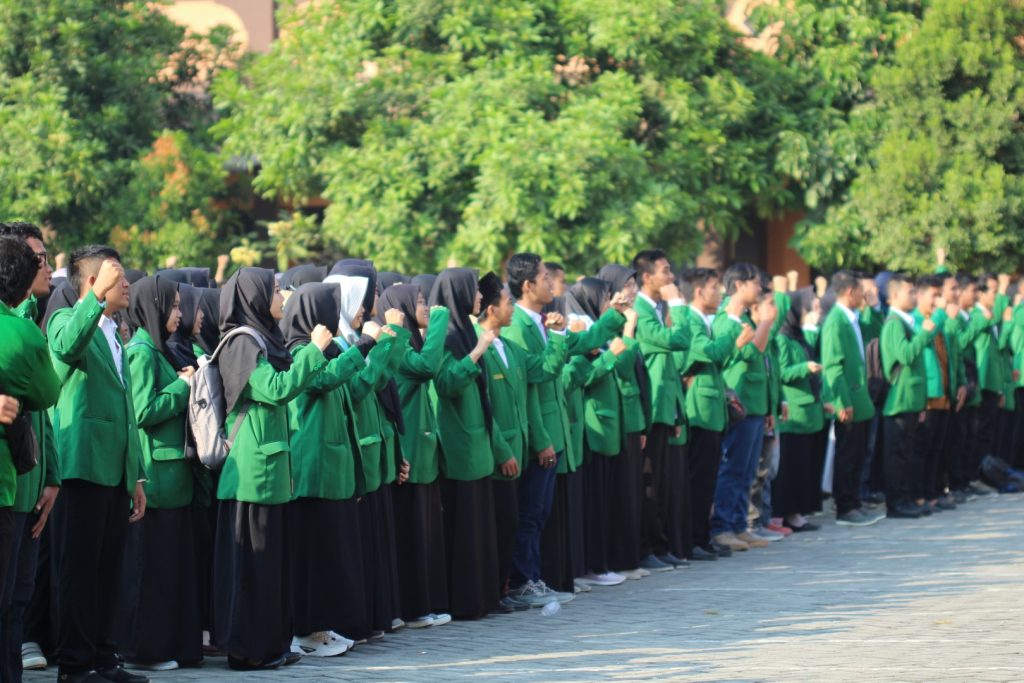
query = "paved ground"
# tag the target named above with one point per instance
(940, 599)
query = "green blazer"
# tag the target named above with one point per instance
(391, 446)
(844, 374)
(30, 485)
(574, 376)
(258, 467)
(744, 371)
(899, 345)
(991, 371)
(946, 328)
(414, 378)
(602, 406)
(467, 452)
(1016, 343)
(657, 344)
(160, 398)
(806, 413)
(513, 405)
(26, 373)
(95, 429)
(636, 412)
(705, 397)
(367, 413)
(323, 444)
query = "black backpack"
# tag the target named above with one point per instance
(878, 385)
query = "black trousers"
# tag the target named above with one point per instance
(848, 466)
(652, 528)
(900, 461)
(1017, 444)
(7, 529)
(93, 526)
(506, 526)
(705, 459)
(960, 447)
(930, 449)
(984, 430)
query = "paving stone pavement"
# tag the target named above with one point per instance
(937, 599)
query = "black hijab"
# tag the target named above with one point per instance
(455, 289)
(617, 276)
(587, 297)
(209, 331)
(245, 300)
(149, 306)
(426, 284)
(389, 278)
(293, 278)
(312, 304)
(132, 275)
(179, 344)
(354, 267)
(402, 297)
(197, 277)
(62, 296)
(801, 301)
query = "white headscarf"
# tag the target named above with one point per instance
(353, 289)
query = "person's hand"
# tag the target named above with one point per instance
(388, 331)
(784, 412)
(510, 468)
(372, 330)
(871, 294)
(321, 336)
(769, 422)
(59, 260)
(186, 373)
(578, 326)
(617, 346)
(111, 275)
(670, 292)
(792, 280)
(643, 441)
(43, 507)
(961, 398)
(922, 416)
(393, 316)
(846, 414)
(745, 337)
(814, 367)
(1002, 400)
(987, 313)
(1015, 375)
(811, 319)
(940, 256)
(820, 286)
(403, 471)
(547, 457)
(952, 309)
(1007, 314)
(830, 409)
(620, 303)
(780, 283)
(138, 503)
(1004, 282)
(171, 262)
(554, 321)
(631, 316)
(928, 325)
(9, 407)
(484, 341)
(940, 302)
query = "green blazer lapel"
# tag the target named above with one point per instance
(100, 338)
(526, 321)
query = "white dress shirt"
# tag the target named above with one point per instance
(499, 346)
(855, 322)
(109, 329)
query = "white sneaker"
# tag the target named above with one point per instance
(441, 619)
(606, 579)
(397, 624)
(319, 644)
(169, 665)
(580, 586)
(631, 574)
(768, 534)
(32, 657)
(643, 572)
(348, 641)
(550, 594)
(420, 622)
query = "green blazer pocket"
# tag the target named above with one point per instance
(165, 454)
(273, 448)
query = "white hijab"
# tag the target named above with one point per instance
(353, 289)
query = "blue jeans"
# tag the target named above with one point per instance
(741, 451)
(536, 493)
(21, 579)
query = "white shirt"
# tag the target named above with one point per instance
(855, 322)
(537, 319)
(109, 329)
(499, 346)
(907, 318)
(706, 318)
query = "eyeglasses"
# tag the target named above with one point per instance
(42, 257)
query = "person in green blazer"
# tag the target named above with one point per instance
(545, 342)
(251, 548)
(1015, 348)
(161, 621)
(466, 426)
(982, 335)
(705, 401)
(325, 470)
(846, 383)
(100, 457)
(902, 354)
(419, 522)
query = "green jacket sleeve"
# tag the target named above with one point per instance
(153, 405)
(600, 367)
(424, 365)
(657, 338)
(793, 367)
(339, 371)
(832, 360)
(69, 335)
(455, 375)
(897, 349)
(368, 378)
(267, 385)
(51, 477)
(35, 384)
(607, 327)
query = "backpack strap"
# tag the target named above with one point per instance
(238, 422)
(244, 329)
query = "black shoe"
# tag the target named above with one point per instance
(808, 526)
(699, 554)
(239, 664)
(85, 677)
(947, 502)
(925, 510)
(959, 497)
(118, 674)
(291, 658)
(721, 550)
(669, 558)
(873, 499)
(904, 512)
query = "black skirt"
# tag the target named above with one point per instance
(561, 542)
(471, 547)
(327, 568)
(160, 617)
(597, 511)
(380, 563)
(419, 531)
(625, 489)
(506, 526)
(252, 608)
(796, 489)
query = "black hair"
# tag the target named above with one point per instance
(646, 261)
(554, 265)
(933, 280)
(766, 282)
(965, 279)
(522, 268)
(983, 280)
(844, 280)
(737, 273)
(692, 279)
(84, 255)
(18, 268)
(21, 229)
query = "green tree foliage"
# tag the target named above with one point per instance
(947, 167)
(580, 129)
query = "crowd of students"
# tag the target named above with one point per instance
(404, 451)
